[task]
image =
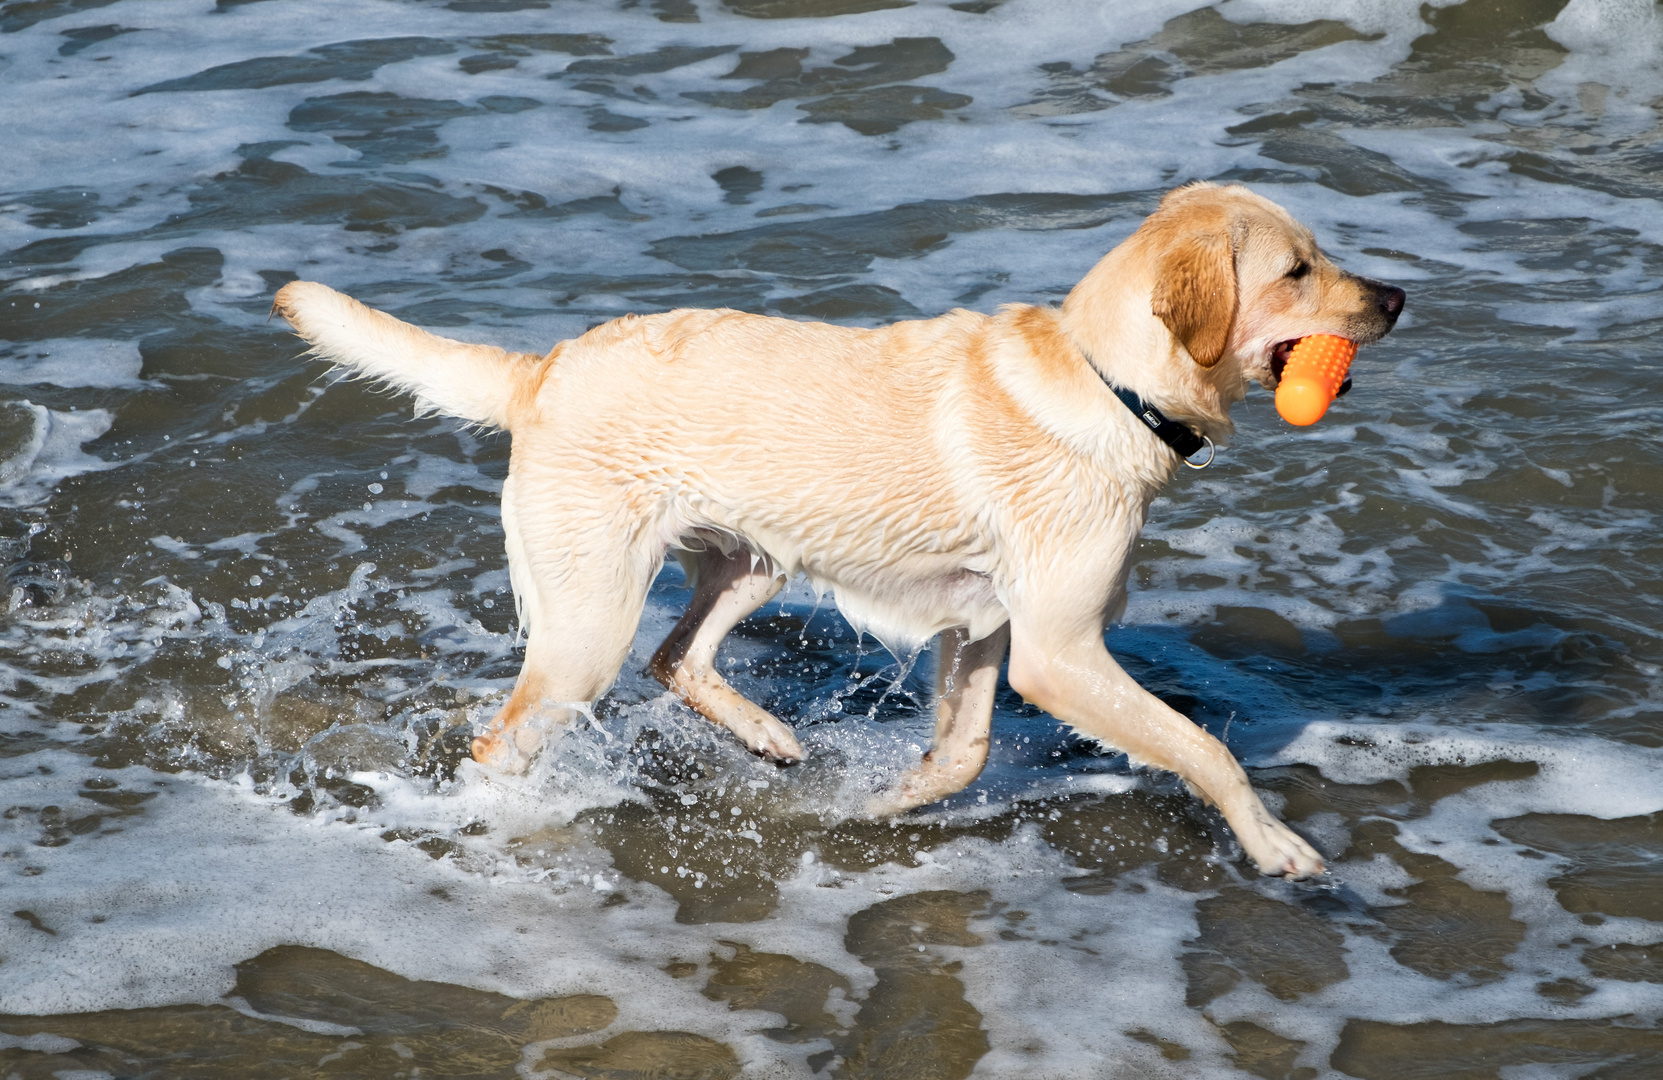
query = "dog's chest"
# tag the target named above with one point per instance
(905, 614)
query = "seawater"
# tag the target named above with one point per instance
(252, 616)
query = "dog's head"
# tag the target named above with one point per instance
(1235, 281)
(1238, 277)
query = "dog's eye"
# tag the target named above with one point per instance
(1300, 269)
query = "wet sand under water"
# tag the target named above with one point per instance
(252, 618)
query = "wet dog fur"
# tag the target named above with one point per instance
(968, 477)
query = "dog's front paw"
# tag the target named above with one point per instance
(764, 735)
(780, 747)
(1278, 851)
(936, 777)
(886, 804)
(918, 788)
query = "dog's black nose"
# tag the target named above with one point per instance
(1388, 300)
(1391, 302)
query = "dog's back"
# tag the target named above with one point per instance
(694, 407)
(864, 458)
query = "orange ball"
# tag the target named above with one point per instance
(1316, 367)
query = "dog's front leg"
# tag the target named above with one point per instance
(1073, 677)
(967, 674)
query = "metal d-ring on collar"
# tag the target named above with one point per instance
(1181, 437)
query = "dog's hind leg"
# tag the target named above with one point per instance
(567, 666)
(967, 674)
(726, 589)
(582, 611)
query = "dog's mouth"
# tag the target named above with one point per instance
(1279, 358)
(1279, 354)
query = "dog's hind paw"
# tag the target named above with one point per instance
(500, 754)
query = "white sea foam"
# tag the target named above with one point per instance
(157, 911)
(48, 449)
(72, 362)
(1617, 52)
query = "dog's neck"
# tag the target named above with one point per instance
(1106, 332)
(1044, 372)
(1109, 317)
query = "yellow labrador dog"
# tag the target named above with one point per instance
(978, 477)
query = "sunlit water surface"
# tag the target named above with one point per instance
(251, 617)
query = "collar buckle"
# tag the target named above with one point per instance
(1212, 452)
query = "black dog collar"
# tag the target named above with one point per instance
(1181, 437)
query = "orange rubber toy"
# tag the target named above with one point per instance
(1311, 380)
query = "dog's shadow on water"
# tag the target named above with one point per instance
(1469, 663)
(1248, 675)
(1256, 680)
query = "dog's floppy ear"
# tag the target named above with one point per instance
(1195, 293)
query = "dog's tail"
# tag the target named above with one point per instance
(473, 382)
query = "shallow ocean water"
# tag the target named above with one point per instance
(250, 616)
